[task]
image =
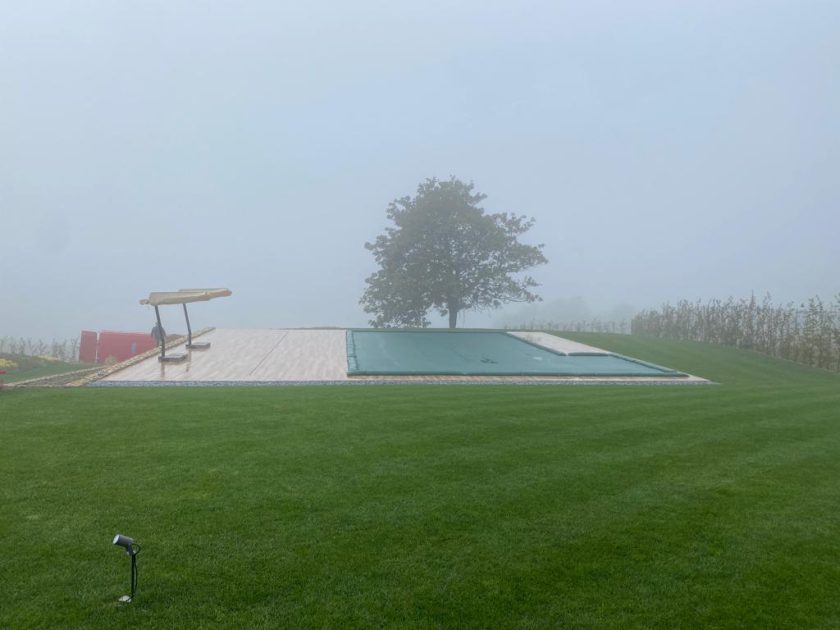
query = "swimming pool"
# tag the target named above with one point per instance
(479, 353)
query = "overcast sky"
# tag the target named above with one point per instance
(667, 149)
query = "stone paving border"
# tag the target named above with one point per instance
(455, 380)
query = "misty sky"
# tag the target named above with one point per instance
(667, 149)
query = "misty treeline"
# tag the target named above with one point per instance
(808, 333)
(583, 325)
(67, 350)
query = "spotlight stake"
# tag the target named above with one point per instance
(132, 549)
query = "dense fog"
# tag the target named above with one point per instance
(666, 150)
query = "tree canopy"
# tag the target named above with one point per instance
(445, 253)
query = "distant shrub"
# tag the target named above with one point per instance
(67, 350)
(808, 333)
(583, 325)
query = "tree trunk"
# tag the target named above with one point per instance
(453, 306)
(453, 317)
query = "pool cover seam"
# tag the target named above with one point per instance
(268, 354)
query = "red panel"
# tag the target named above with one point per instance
(123, 345)
(87, 347)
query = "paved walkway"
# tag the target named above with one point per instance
(272, 354)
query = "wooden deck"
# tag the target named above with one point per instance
(257, 355)
(305, 355)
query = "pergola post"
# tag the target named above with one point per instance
(161, 334)
(189, 330)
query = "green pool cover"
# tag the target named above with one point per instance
(473, 353)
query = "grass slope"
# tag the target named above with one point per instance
(36, 367)
(508, 506)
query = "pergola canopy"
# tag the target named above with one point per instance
(184, 296)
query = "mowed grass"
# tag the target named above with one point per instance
(431, 506)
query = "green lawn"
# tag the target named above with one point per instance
(431, 506)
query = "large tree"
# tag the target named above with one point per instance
(445, 253)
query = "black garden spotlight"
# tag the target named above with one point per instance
(132, 549)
